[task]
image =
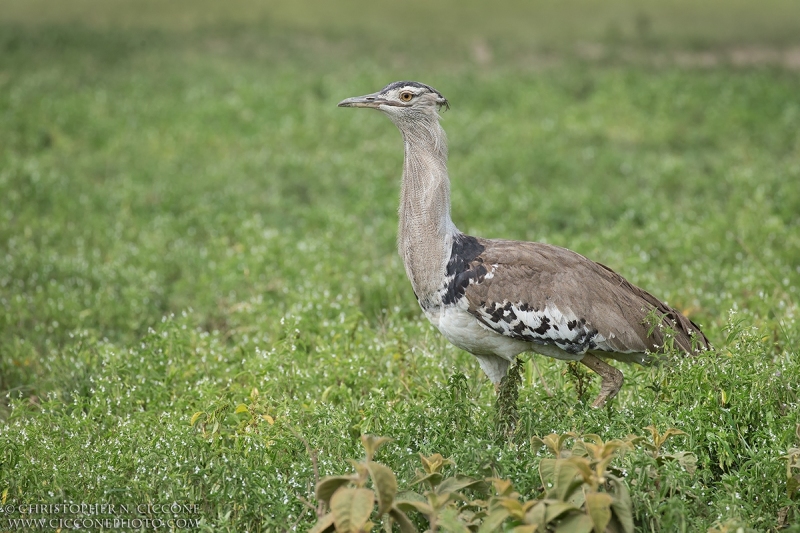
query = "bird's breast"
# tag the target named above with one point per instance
(466, 332)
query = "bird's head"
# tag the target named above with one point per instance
(402, 101)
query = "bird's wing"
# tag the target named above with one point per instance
(550, 295)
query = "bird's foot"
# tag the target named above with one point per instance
(611, 379)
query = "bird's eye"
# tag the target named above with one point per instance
(406, 96)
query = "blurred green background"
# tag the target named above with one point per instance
(186, 216)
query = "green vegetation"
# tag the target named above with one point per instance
(200, 300)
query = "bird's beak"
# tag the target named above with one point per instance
(373, 100)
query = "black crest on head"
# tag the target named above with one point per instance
(399, 84)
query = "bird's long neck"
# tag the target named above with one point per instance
(426, 230)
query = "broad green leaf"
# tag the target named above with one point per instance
(557, 509)
(493, 521)
(536, 444)
(612, 446)
(439, 501)
(385, 484)
(547, 470)
(565, 478)
(434, 463)
(687, 460)
(195, 416)
(323, 524)
(527, 528)
(432, 480)
(406, 526)
(654, 435)
(600, 467)
(596, 439)
(414, 505)
(503, 487)
(622, 506)
(537, 514)
(351, 508)
(579, 448)
(448, 521)
(554, 442)
(409, 495)
(598, 506)
(792, 486)
(361, 470)
(576, 523)
(670, 433)
(659, 439)
(513, 506)
(459, 482)
(241, 408)
(372, 443)
(583, 465)
(329, 484)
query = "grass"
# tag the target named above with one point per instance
(188, 224)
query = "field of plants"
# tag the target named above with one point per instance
(201, 302)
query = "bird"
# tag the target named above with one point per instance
(499, 298)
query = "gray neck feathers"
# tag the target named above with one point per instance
(426, 231)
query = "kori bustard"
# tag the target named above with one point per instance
(498, 298)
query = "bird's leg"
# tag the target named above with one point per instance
(611, 378)
(506, 402)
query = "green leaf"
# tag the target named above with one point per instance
(385, 484)
(583, 465)
(325, 523)
(449, 521)
(493, 521)
(537, 514)
(687, 460)
(372, 443)
(556, 509)
(329, 484)
(536, 444)
(414, 505)
(527, 528)
(195, 416)
(567, 479)
(553, 442)
(459, 482)
(622, 505)
(409, 495)
(241, 408)
(576, 523)
(351, 508)
(361, 471)
(596, 439)
(792, 486)
(598, 506)
(513, 506)
(432, 480)
(406, 526)
(670, 433)
(434, 463)
(547, 470)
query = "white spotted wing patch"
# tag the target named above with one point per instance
(547, 326)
